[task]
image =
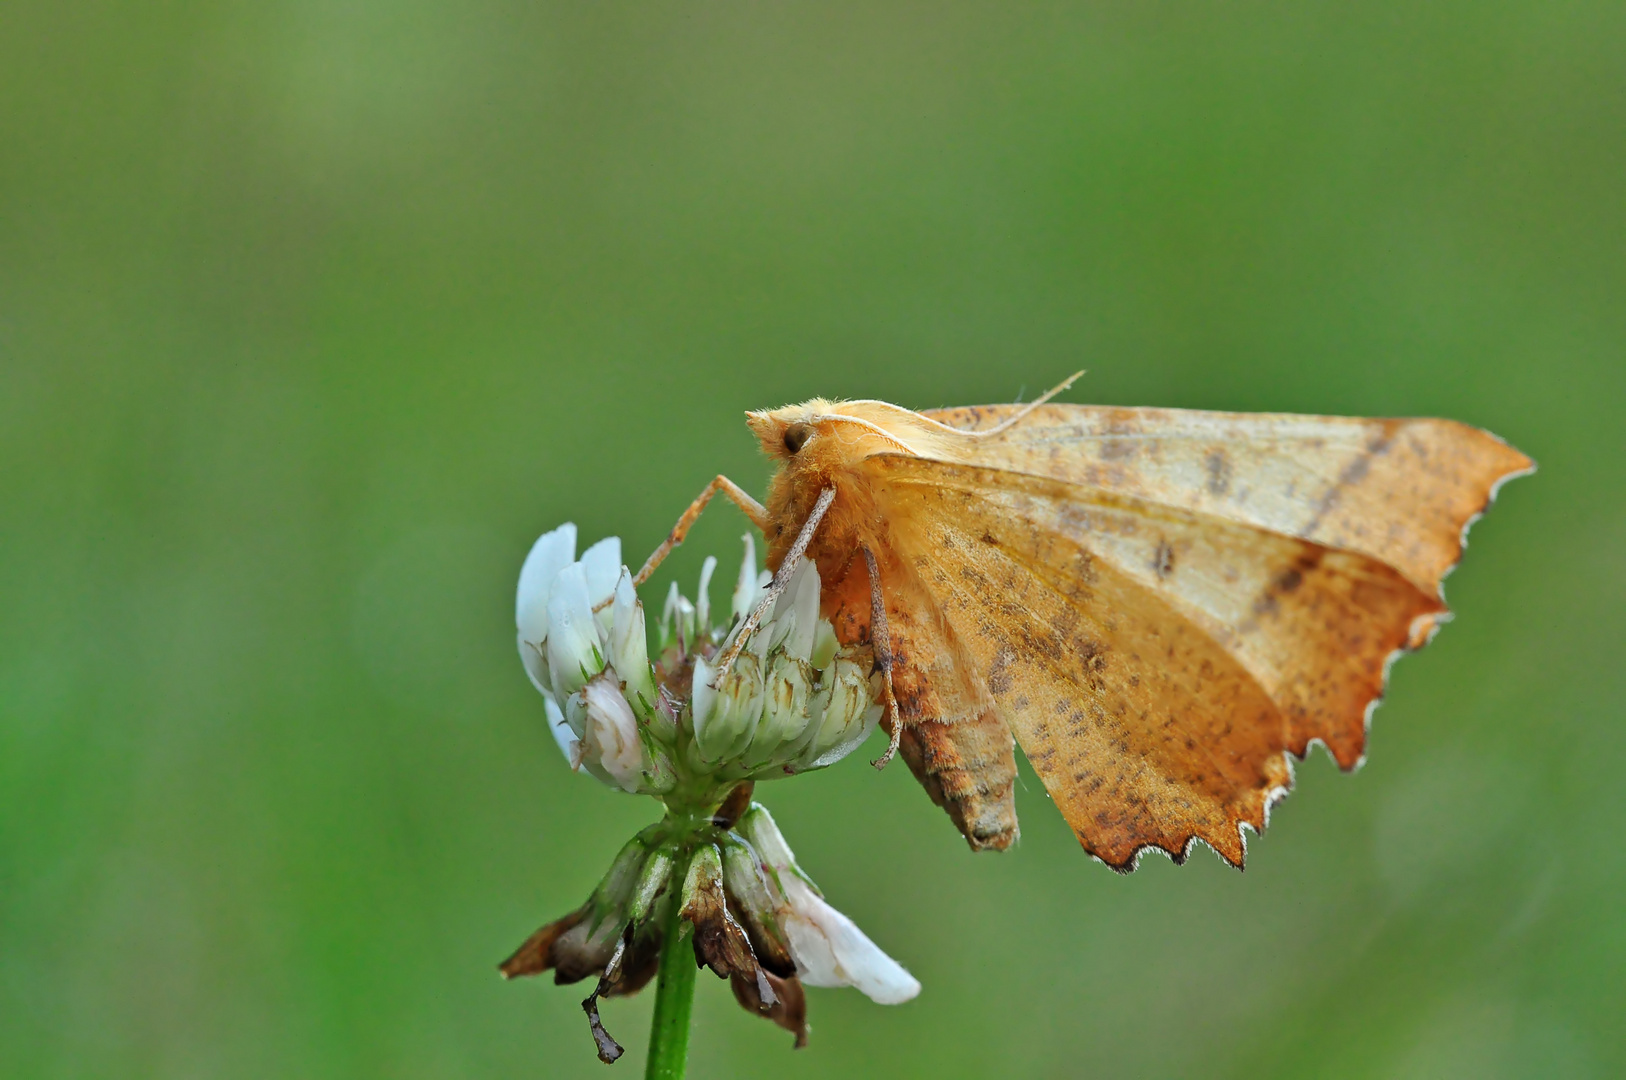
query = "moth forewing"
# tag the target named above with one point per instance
(1400, 490)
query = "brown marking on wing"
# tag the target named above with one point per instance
(1144, 731)
(1315, 626)
(1157, 707)
(1401, 491)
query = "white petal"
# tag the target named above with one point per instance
(703, 597)
(830, 950)
(849, 739)
(569, 745)
(757, 826)
(572, 633)
(535, 658)
(741, 694)
(745, 591)
(683, 622)
(702, 697)
(602, 564)
(629, 647)
(845, 712)
(786, 692)
(803, 608)
(611, 740)
(674, 600)
(550, 554)
(824, 645)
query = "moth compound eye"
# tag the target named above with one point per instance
(796, 437)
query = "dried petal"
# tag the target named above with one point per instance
(755, 906)
(583, 942)
(731, 808)
(583, 950)
(719, 941)
(609, 1051)
(639, 963)
(536, 955)
(787, 1007)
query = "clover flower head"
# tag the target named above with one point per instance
(793, 699)
(716, 710)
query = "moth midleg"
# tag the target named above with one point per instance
(881, 638)
(780, 579)
(736, 494)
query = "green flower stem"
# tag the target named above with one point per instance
(674, 990)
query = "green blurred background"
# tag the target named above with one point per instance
(314, 313)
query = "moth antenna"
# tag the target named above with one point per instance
(780, 580)
(1000, 429)
(882, 640)
(874, 429)
(940, 426)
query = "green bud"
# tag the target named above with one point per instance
(650, 885)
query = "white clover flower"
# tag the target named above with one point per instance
(591, 666)
(713, 714)
(774, 710)
(549, 555)
(791, 701)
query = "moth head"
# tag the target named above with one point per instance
(785, 433)
(827, 430)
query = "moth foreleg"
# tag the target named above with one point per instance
(736, 494)
(781, 579)
(882, 640)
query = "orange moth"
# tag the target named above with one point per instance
(1160, 605)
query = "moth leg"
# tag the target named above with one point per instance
(780, 580)
(882, 640)
(736, 494)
